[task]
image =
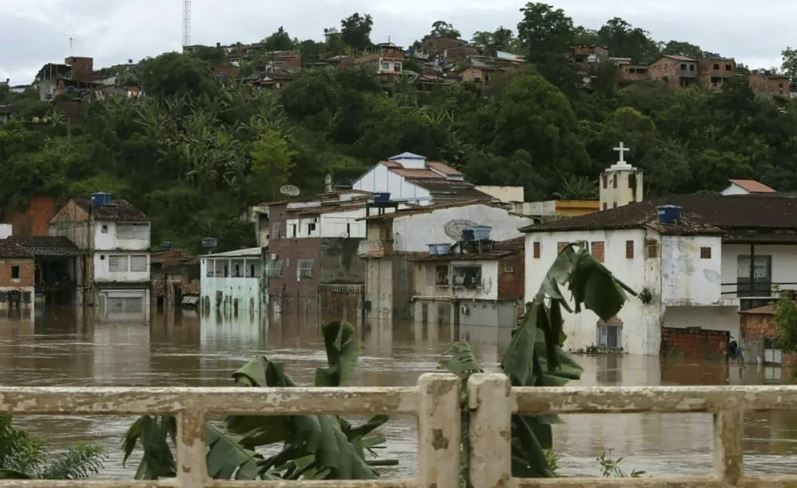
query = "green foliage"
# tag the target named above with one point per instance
(627, 41)
(279, 41)
(610, 468)
(683, 49)
(23, 457)
(545, 32)
(786, 322)
(789, 66)
(535, 356)
(356, 31)
(313, 446)
(178, 74)
(441, 28)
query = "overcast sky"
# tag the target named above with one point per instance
(34, 32)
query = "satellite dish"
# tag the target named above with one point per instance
(454, 228)
(290, 191)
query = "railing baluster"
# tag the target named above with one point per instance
(191, 433)
(489, 402)
(439, 431)
(728, 453)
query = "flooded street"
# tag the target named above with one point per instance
(63, 350)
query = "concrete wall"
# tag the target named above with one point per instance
(407, 238)
(107, 237)
(426, 276)
(102, 272)
(640, 323)
(340, 262)
(627, 189)
(686, 277)
(380, 179)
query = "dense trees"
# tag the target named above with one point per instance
(194, 153)
(356, 31)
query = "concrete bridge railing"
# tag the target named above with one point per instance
(435, 403)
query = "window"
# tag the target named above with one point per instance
(683, 66)
(117, 264)
(104, 229)
(397, 67)
(598, 249)
(614, 205)
(441, 275)
(14, 272)
(605, 180)
(605, 206)
(385, 66)
(610, 334)
(251, 271)
(691, 67)
(762, 276)
(537, 250)
(652, 248)
(275, 230)
(716, 66)
(132, 231)
(705, 253)
(305, 268)
(311, 227)
(293, 230)
(138, 263)
(468, 276)
(728, 67)
(275, 269)
(614, 180)
(560, 246)
(508, 268)
(629, 249)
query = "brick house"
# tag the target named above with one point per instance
(768, 83)
(17, 276)
(715, 71)
(759, 337)
(628, 73)
(675, 71)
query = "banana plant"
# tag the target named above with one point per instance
(535, 356)
(312, 446)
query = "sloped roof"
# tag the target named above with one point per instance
(443, 189)
(47, 246)
(407, 155)
(680, 58)
(249, 252)
(444, 168)
(12, 249)
(500, 249)
(701, 214)
(753, 186)
(117, 211)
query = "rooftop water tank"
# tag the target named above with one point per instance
(482, 232)
(442, 249)
(381, 198)
(669, 214)
(100, 198)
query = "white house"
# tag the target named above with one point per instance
(695, 271)
(412, 178)
(746, 187)
(114, 237)
(232, 282)
(393, 238)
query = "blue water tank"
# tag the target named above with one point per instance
(669, 214)
(100, 199)
(482, 232)
(467, 235)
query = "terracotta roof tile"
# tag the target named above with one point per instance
(117, 211)
(752, 186)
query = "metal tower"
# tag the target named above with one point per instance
(186, 23)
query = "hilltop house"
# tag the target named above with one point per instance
(114, 238)
(413, 179)
(393, 239)
(74, 77)
(715, 71)
(698, 259)
(675, 71)
(746, 187)
(765, 82)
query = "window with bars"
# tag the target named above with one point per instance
(652, 247)
(118, 264)
(138, 263)
(305, 268)
(629, 249)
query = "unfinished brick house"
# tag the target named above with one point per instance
(715, 71)
(628, 73)
(759, 338)
(17, 275)
(677, 72)
(768, 83)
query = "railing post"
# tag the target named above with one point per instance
(728, 431)
(490, 405)
(439, 431)
(191, 465)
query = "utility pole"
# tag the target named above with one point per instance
(186, 23)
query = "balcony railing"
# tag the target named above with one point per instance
(758, 290)
(435, 402)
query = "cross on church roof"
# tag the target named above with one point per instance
(622, 150)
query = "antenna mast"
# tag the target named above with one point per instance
(186, 23)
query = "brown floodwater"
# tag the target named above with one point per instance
(61, 349)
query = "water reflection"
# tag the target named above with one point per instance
(68, 348)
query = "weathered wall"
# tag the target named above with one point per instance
(340, 262)
(229, 293)
(407, 238)
(72, 222)
(694, 343)
(619, 187)
(503, 193)
(641, 323)
(102, 272)
(686, 277)
(107, 237)
(35, 219)
(784, 263)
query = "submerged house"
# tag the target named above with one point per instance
(232, 282)
(394, 239)
(16, 278)
(696, 260)
(113, 237)
(477, 283)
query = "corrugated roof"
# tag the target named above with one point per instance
(47, 246)
(752, 186)
(249, 252)
(444, 168)
(679, 58)
(117, 211)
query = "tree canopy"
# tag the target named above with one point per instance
(356, 31)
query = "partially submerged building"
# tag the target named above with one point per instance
(696, 260)
(114, 239)
(17, 279)
(476, 283)
(232, 283)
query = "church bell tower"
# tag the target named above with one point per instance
(621, 183)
